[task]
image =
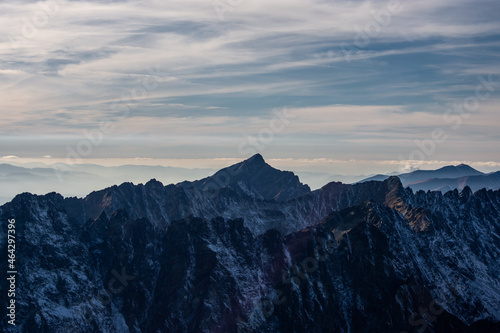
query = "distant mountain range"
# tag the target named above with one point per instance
(81, 179)
(252, 249)
(446, 179)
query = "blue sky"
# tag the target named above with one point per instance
(364, 84)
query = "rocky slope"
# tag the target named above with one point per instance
(253, 177)
(370, 257)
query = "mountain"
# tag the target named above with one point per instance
(446, 179)
(257, 257)
(80, 179)
(450, 171)
(256, 178)
(488, 181)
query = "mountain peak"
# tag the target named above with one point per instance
(250, 165)
(257, 158)
(394, 183)
(256, 178)
(462, 168)
(395, 199)
(466, 167)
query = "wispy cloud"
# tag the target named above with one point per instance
(222, 78)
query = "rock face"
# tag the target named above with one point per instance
(255, 255)
(256, 178)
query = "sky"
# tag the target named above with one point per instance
(346, 87)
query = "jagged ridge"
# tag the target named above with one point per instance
(375, 252)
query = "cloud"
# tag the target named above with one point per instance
(221, 78)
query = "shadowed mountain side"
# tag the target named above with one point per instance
(368, 267)
(255, 178)
(163, 204)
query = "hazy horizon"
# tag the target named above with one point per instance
(332, 166)
(276, 128)
(81, 179)
(352, 87)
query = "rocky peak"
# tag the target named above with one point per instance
(255, 178)
(255, 159)
(395, 198)
(466, 193)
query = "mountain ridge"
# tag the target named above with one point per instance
(445, 179)
(226, 260)
(254, 177)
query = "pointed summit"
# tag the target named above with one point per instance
(257, 158)
(256, 178)
(249, 166)
(395, 198)
(394, 183)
